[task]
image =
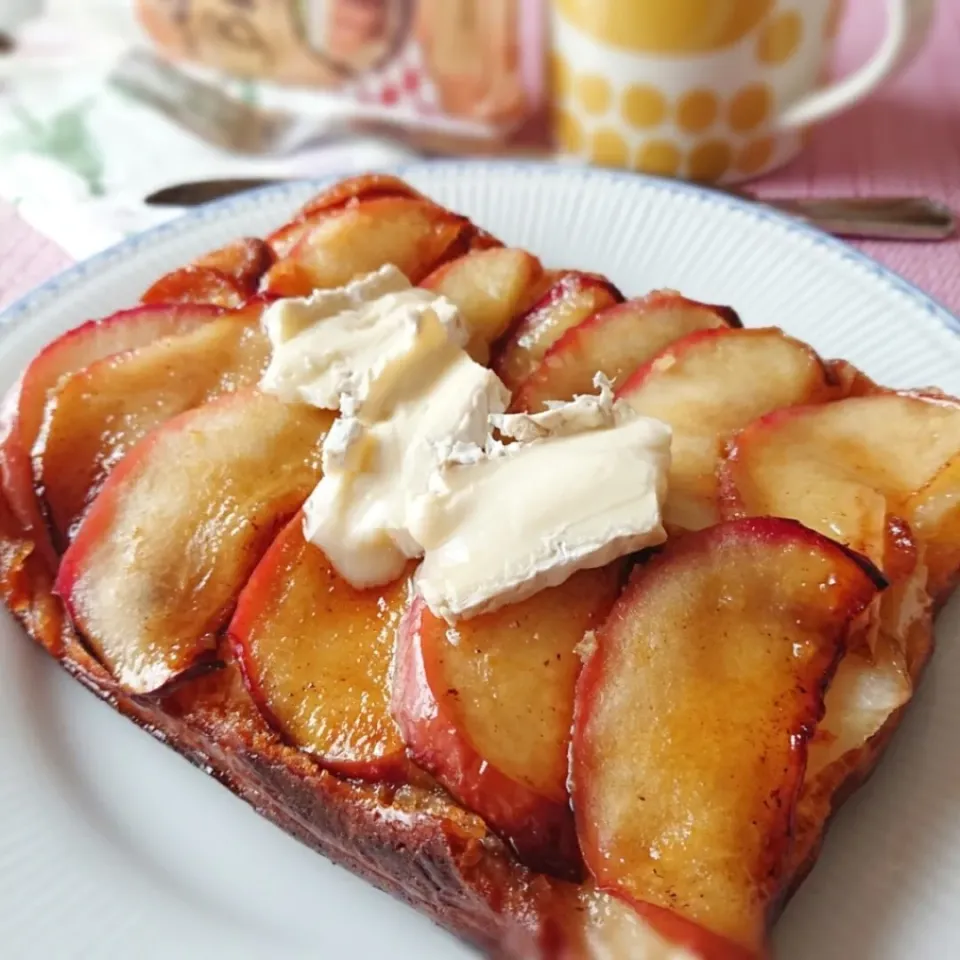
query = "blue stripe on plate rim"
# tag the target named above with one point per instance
(62, 282)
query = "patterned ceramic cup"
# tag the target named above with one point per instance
(709, 90)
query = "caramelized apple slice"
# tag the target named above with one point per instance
(934, 513)
(849, 380)
(573, 298)
(598, 925)
(490, 287)
(178, 527)
(847, 469)
(95, 415)
(24, 405)
(843, 468)
(344, 193)
(486, 707)
(478, 239)
(615, 342)
(197, 285)
(706, 387)
(316, 656)
(364, 186)
(414, 235)
(692, 718)
(245, 260)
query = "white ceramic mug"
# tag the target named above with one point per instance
(710, 90)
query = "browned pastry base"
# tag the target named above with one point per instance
(412, 842)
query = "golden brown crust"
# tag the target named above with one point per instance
(412, 842)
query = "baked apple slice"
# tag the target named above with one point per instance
(934, 513)
(693, 713)
(573, 298)
(95, 415)
(476, 239)
(414, 235)
(246, 260)
(851, 469)
(615, 342)
(24, 405)
(347, 192)
(491, 288)
(485, 707)
(178, 527)
(706, 387)
(198, 285)
(850, 380)
(594, 924)
(364, 186)
(316, 655)
(844, 468)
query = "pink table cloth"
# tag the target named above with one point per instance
(906, 140)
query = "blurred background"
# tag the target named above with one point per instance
(103, 103)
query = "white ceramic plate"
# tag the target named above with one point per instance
(112, 846)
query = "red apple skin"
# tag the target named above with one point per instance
(347, 193)
(772, 531)
(245, 260)
(272, 573)
(511, 356)
(677, 350)
(431, 242)
(540, 830)
(479, 239)
(24, 405)
(246, 317)
(98, 524)
(197, 285)
(576, 341)
(565, 284)
(362, 187)
(702, 943)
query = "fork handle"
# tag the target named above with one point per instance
(874, 218)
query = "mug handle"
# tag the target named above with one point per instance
(908, 23)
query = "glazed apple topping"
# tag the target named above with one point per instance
(693, 713)
(486, 708)
(615, 342)
(26, 403)
(228, 277)
(706, 387)
(846, 467)
(317, 654)
(412, 234)
(872, 471)
(429, 588)
(572, 298)
(345, 193)
(96, 414)
(491, 288)
(179, 525)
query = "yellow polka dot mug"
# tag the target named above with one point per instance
(710, 90)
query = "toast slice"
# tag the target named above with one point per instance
(409, 837)
(413, 842)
